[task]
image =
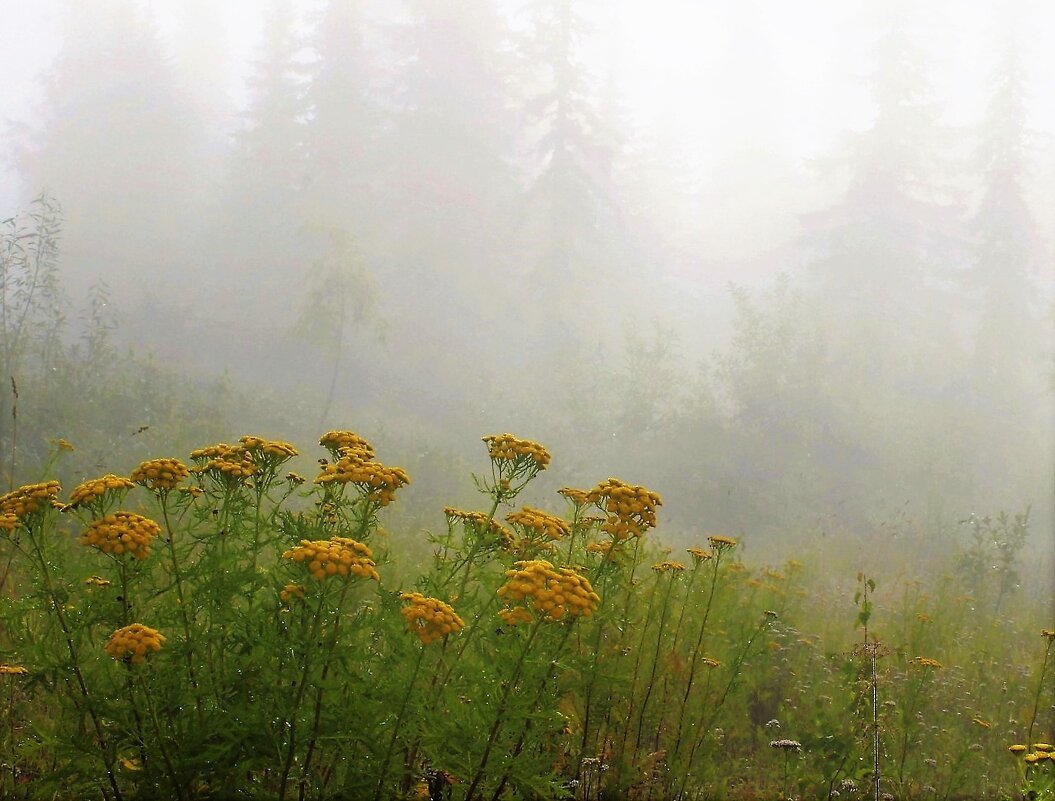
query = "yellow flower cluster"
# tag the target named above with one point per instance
(720, 542)
(122, 532)
(134, 641)
(1040, 752)
(9, 522)
(96, 489)
(481, 524)
(1049, 633)
(291, 591)
(267, 454)
(271, 447)
(221, 450)
(531, 520)
(28, 500)
(578, 497)
(699, 555)
(668, 567)
(926, 662)
(337, 556)
(630, 509)
(604, 548)
(341, 443)
(429, 618)
(97, 581)
(713, 663)
(515, 616)
(12, 670)
(377, 481)
(230, 463)
(160, 474)
(507, 448)
(553, 592)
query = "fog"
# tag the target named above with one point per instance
(788, 264)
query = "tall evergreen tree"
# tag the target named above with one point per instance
(118, 149)
(571, 199)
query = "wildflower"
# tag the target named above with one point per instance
(28, 500)
(552, 592)
(295, 479)
(630, 509)
(713, 663)
(985, 724)
(1035, 757)
(9, 522)
(291, 591)
(12, 670)
(429, 618)
(578, 497)
(134, 641)
(1049, 633)
(132, 763)
(97, 491)
(522, 453)
(337, 556)
(479, 525)
(699, 555)
(668, 567)
(232, 469)
(377, 482)
(924, 662)
(122, 532)
(221, 450)
(775, 575)
(160, 474)
(347, 443)
(194, 492)
(530, 521)
(1017, 748)
(720, 543)
(930, 762)
(1045, 747)
(786, 745)
(271, 447)
(62, 444)
(97, 581)
(516, 615)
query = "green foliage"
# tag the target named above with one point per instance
(281, 673)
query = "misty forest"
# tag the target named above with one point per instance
(527, 399)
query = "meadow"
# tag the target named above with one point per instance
(226, 627)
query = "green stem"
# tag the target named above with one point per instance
(298, 697)
(398, 723)
(169, 769)
(108, 760)
(500, 714)
(1036, 697)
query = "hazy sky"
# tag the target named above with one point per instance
(800, 63)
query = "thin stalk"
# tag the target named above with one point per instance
(655, 661)
(398, 723)
(696, 653)
(75, 665)
(1040, 686)
(317, 714)
(169, 769)
(170, 539)
(298, 697)
(500, 714)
